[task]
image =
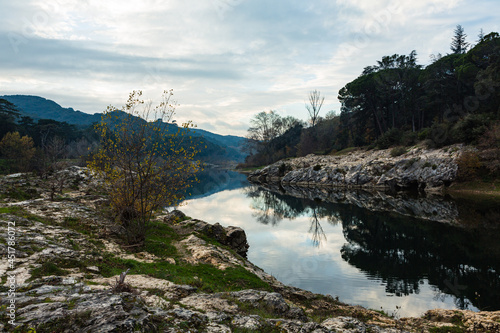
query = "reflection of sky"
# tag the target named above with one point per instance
(287, 252)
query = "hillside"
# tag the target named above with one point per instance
(219, 147)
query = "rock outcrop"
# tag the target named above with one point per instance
(418, 168)
(232, 236)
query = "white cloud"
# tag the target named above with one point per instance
(228, 58)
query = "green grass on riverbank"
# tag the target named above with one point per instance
(161, 241)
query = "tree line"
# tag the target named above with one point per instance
(397, 102)
(33, 145)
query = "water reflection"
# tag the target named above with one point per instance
(214, 180)
(318, 235)
(388, 243)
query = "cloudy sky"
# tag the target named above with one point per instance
(225, 59)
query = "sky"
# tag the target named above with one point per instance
(226, 60)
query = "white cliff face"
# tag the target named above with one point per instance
(429, 169)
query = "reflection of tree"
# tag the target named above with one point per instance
(401, 251)
(318, 235)
(271, 208)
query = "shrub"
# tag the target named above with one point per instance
(468, 164)
(390, 138)
(470, 128)
(423, 134)
(145, 165)
(317, 167)
(409, 138)
(20, 150)
(439, 135)
(398, 151)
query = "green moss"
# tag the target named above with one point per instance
(21, 212)
(65, 324)
(78, 225)
(74, 245)
(260, 309)
(47, 268)
(97, 242)
(14, 210)
(447, 329)
(20, 194)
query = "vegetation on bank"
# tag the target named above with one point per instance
(399, 103)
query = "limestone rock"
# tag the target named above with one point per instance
(427, 170)
(234, 237)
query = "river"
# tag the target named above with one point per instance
(402, 254)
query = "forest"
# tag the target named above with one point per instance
(397, 103)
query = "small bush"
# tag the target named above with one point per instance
(317, 167)
(468, 164)
(409, 138)
(470, 128)
(398, 151)
(439, 135)
(423, 134)
(390, 138)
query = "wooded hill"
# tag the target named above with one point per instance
(397, 102)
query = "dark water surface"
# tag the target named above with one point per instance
(405, 254)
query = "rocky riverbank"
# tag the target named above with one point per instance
(416, 168)
(190, 277)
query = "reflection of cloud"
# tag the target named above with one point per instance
(286, 252)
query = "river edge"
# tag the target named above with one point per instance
(64, 283)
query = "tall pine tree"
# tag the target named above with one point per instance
(458, 43)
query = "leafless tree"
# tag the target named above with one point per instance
(314, 106)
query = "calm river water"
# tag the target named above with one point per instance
(403, 254)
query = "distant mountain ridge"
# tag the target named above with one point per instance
(38, 107)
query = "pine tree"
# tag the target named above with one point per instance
(458, 43)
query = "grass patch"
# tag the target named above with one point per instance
(47, 268)
(447, 329)
(345, 151)
(78, 225)
(21, 212)
(203, 276)
(159, 239)
(14, 210)
(20, 194)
